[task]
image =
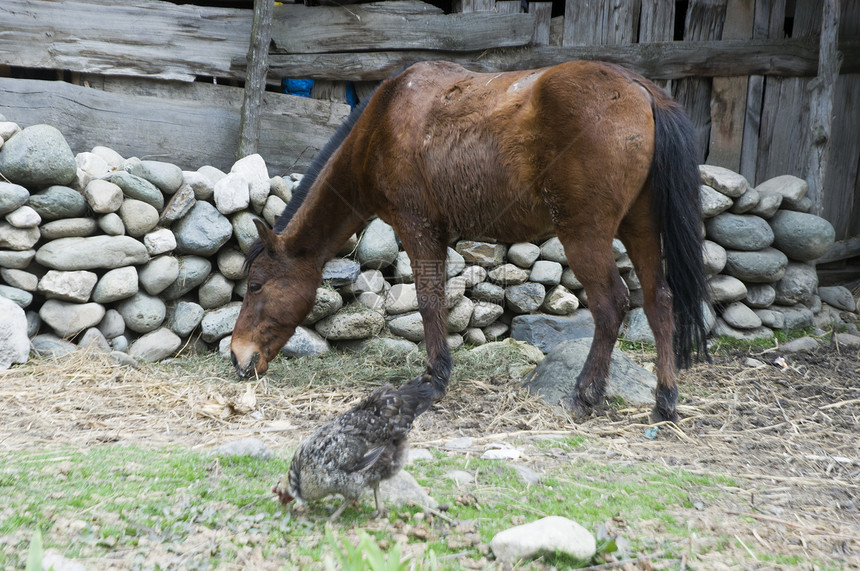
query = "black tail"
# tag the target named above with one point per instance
(675, 183)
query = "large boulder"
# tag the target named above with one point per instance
(38, 156)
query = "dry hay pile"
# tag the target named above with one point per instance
(789, 437)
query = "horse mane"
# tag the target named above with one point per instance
(313, 171)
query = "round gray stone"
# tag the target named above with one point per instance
(768, 203)
(473, 275)
(155, 345)
(203, 230)
(14, 342)
(19, 279)
(67, 319)
(740, 316)
(454, 263)
(553, 251)
(560, 301)
(139, 189)
(21, 297)
(231, 263)
(244, 229)
(481, 253)
(798, 284)
(18, 238)
(409, 326)
(49, 345)
(739, 231)
(525, 298)
(158, 274)
(569, 280)
(24, 217)
(486, 291)
(760, 295)
(714, 257)
(546, 272)
(17, 259)
(58, 202)
(193, 270)
(368, 280)
(377, 247)
(68, 286)
(636, 328)
(68, 228)
(92, 252)
(401, 298)
(792, 189)
(273, 208)
(167, 177)
(523, 254)
(460, 315)
(327, 302)
(509, 274)
(484, 313)
(103, 196)
(12, 197)
(218, 323)
(796, 316)
(142, 312)
(95, 340)
(726, 289)
(185, 317)
(232, 194)
(201, 184)
(112, 324)
(215, 291)
(116, 284)
(746, 202)
(713, 202)
(38, 156)
(803, 237)
(839, 297)
(723, 180)
(305, 343)
(111, 224)
(763, 266)
(355, 322)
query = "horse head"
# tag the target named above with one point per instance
(281, 291)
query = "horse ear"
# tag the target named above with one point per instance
(267, 236)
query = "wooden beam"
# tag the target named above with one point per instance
(188, 124)
(255, 78)
(130, 38)
(660, 60)
(300, 29)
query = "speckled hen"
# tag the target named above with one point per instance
(357, 450)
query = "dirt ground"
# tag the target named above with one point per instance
(788, 435)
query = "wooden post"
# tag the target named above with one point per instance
(255, 78)
(821, 103)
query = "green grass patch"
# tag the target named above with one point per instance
(131, 500)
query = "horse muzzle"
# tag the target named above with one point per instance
(249, 365)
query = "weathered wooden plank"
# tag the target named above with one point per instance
(657, 21)
(130, 37)
(543, 19)
(255, 80)
(784, 141)
(189, 124)
(768, 23)
(841, 250)
(299, 29)
(704, 21)
(842, 201)
(821, 106)
(598, 23)
(508, 7)
(728, 94)
(659, 60)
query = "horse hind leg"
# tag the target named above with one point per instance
(594, 265)
(428, 256)
(642, 241)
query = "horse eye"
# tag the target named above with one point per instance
(254, 287)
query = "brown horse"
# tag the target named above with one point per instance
(582, 150)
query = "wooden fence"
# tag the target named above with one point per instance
(156, 78)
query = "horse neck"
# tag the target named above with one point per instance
(329, 215)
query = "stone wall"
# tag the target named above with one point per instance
(142, 258)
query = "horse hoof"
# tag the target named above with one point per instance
(578, 409)
(663, 415)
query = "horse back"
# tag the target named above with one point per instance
(478, 152)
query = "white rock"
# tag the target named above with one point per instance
(401, 298)
(14, 342)
(546, 272)
(232, 193)
(550, 535)
(19, 279)
(68, 286)
(24, 217)
(159, 241)
(231, 263)
(116, 284)
(67, 319)
(155, 345)
(103, 196)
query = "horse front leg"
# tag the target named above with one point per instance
(428, 270)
